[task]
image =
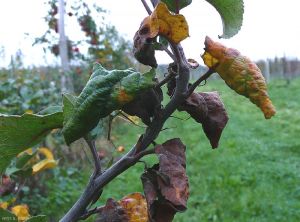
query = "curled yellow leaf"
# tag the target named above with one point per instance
(46, 152)
(21, 211)
(163, 22)
(240, 74)
(47, 163)
(43, 165)
(136, 207)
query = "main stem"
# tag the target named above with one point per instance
(96, 184)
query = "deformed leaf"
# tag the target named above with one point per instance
(240, 74)
(166, 184)
(146, 105)
(47, 163)
(162, 22)
(21, 211)
(172, 163)
(159, 209)
(135, 206)
(176, 5)
(207, 108)
(231, 12)
(105, 92)
(143, 48)
(173, 27)
(17, 133)
(112, 212)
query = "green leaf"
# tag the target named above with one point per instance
(39, 218)
(231, 12)
(17, 133)
(6, 215)
(176, 5)
(50, 109)
(105, 92)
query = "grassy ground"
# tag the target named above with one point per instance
(254, 175)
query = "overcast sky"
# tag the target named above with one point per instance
(271, 27)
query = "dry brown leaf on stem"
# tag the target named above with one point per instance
(240, 74)
(146, 105)
(166, 184)
(112, 211)
(160, 22)
(207, 108)
(131, 208)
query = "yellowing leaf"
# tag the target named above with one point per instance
(240, 74)
(46, 152)
(4, 205)
(136, 207)
(162, 22)
(44, 164)
(21, 211)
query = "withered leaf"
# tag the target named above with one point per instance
(112, 212)
(136, 207)
(159, 209)
(239, 73)
(166, 184)
(145, 105)
(143, 47)
(162, 22)
(172, 160)
(207, 108)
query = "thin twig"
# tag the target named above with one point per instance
(144, 153)
(146, 7)
(91, 144)
(90, 212)
(165, 80)
(198, 81)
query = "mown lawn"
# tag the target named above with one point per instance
(254, 175)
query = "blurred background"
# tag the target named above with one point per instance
(253, 176)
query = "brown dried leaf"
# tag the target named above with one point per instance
(240, 74)
(172, 164)
(112, 212)
(166, 184)
(159, 209)
(207, 108)
(143, 49)
(145, 105)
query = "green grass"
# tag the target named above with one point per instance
(254, 175)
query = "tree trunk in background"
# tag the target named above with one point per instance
(66, 81)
